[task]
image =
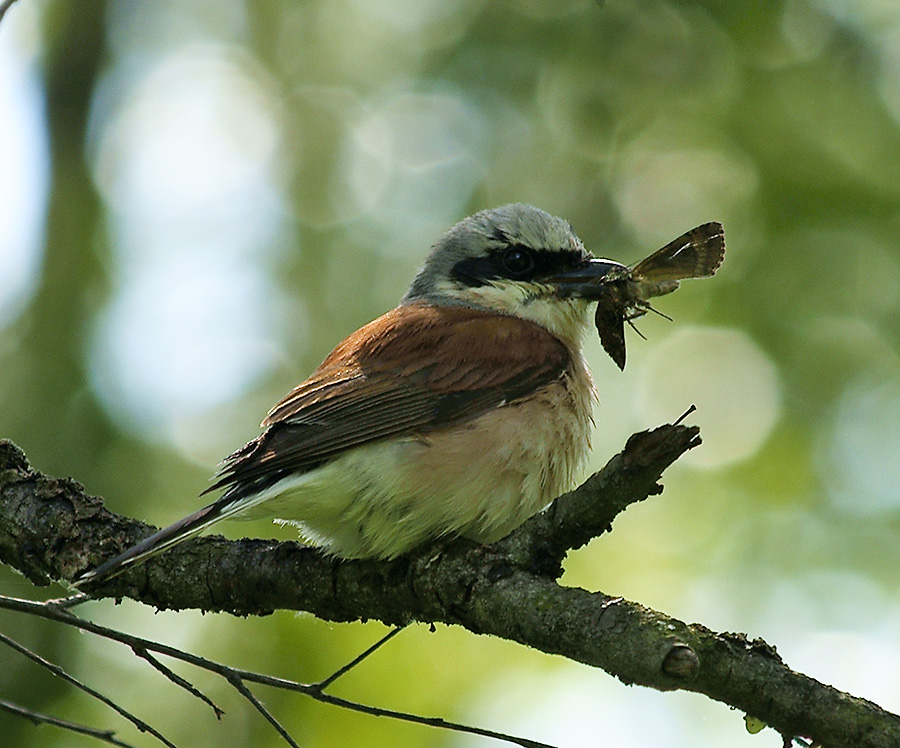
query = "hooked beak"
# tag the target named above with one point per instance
(587, 281)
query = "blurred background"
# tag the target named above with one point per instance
(199, 199)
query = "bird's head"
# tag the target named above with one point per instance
(515, 260)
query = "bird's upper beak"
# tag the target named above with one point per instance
(586, 281)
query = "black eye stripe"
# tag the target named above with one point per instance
(529, 265)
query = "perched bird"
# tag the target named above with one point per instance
(463, 411)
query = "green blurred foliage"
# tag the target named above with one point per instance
(634, 119)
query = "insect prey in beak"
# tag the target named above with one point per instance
(696, 254)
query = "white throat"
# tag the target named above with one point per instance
(567, 319)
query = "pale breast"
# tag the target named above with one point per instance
(480, 479)
(532, 451)
(483, 478)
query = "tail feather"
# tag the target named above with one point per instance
(185, 528)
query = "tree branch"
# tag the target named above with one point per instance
(49, 529)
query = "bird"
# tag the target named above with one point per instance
(463, 411)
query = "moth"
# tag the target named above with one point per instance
(696, 254)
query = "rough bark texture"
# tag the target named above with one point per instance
(50, 530)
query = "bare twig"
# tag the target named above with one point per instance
(60, 673)
(5, 6)
(38, 718)
(177, 679)
(685, 414)
(323, 684)
(416, 719)
(237, 677)
(64, 603)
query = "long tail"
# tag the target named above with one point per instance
(224, 507)
(242, 492)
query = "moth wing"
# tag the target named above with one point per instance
(610, 321)
(695, 254)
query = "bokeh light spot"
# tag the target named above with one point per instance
(860, 460)
(164, 348)
(187, 160)
(725, 374)
(663, 185)
(414, 162)
(196, 128)
(23, 177)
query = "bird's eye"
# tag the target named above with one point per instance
(518, 261)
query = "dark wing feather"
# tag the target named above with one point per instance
(416, 369)
(696, 254)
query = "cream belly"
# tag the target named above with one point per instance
(480, 479)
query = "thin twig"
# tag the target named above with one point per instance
(64, 603)
(178, 680)
(5, 6)
(428, 721)
(314, 691)
(323, 684)
(235, 680)
(40, 718)
(60, 673)
(375, 711)
(685, 414)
